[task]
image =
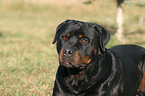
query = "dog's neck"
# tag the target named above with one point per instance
(74, 71)
(77, 72)
(86, 77)
(91, 69)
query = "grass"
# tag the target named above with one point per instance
(28, 60)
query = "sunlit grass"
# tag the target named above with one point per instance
(28, 60)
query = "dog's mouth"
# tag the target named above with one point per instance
(74, 61)
(69, 64)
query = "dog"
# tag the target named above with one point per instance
(87, 68)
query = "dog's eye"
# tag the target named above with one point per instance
(80, 36)
(65, 37)
(84, 40)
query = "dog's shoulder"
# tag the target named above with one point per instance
(128, 50)
(130, 56)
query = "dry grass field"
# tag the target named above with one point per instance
(28, 60)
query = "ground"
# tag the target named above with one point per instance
(28, 59)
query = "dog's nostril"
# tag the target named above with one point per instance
(68, 52)
(64, 51)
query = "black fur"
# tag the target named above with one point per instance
(87, 68)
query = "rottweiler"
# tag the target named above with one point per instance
(87, 68)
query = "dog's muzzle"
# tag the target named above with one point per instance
(67, 52)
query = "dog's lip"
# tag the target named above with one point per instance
(68, 63)
(80, 66)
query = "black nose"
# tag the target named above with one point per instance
(68, 52)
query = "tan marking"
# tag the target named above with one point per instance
(142, 85)
(57, 94)
(67, 35)
(95, 51)
(60, 55)
(85, 59)
(76, 57)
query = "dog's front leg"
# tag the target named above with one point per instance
(56, 91)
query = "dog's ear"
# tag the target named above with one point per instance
(104, 36)
(58, 29)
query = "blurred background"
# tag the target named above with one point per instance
(28, 60)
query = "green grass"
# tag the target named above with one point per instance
(28, 60)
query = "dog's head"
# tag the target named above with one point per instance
(78, 43)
